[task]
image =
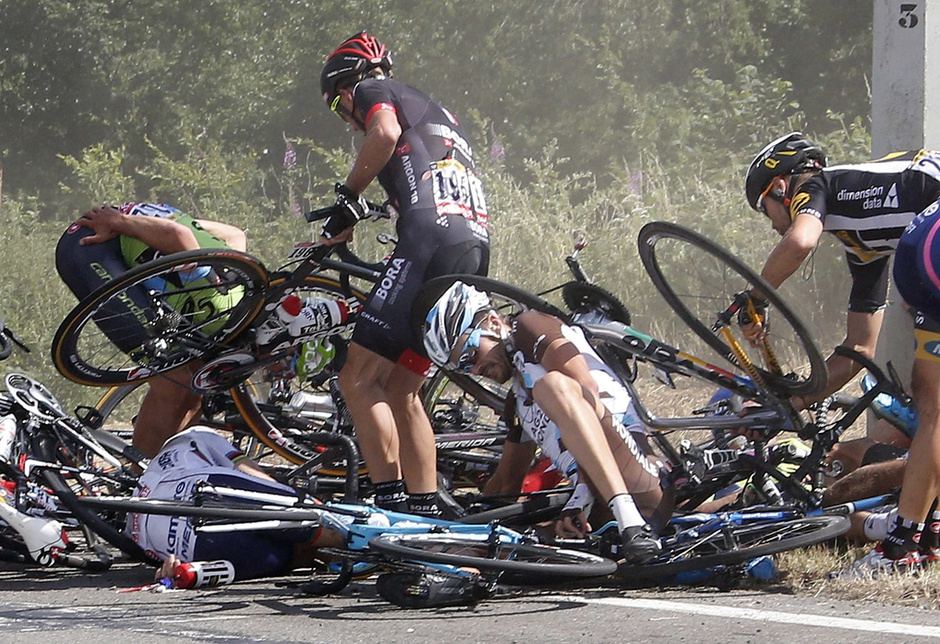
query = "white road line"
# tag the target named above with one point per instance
(823, 621)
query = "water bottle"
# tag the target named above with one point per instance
(7, 437)
(196, 574)
(319, 315)
(762, 568)
(286, 312)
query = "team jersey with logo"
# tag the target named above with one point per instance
(186, 459)
(532, 332)
(433, 162)
(136, 252)
(867, 206)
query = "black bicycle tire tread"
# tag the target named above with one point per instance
(818, 372)
(589, 566)
(63, 340)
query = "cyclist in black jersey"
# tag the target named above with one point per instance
(420, 155)
(107, 241)
(874, 209)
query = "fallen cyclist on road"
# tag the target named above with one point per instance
(568, 402)
(199, 455)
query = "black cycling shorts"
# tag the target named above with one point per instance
(84, 269)
(428, 246)
(253, 553)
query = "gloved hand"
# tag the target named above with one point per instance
(752, 317)
(347, 211)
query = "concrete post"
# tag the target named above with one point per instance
(905, 115)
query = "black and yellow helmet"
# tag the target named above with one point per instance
(792, 153)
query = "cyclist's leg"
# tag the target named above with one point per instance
(253, 554)
(386, 365)
(916, 266)
(362, 381)
(168, 407)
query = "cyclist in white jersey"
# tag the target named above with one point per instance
(568, 401)
(198, 455)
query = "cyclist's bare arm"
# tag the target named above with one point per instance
(248, 466)
(160, 234)
(511, 470)
(862, 335)
(797, 243)
(233, 236)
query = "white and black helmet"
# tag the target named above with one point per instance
(449, 318)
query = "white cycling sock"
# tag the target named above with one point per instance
(625, 511)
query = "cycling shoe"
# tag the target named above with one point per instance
(430, 590)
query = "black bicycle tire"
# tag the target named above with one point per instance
(829, 527)
(411, 547)
(653, 231)
(536, 508)
(65, 340)
(432, 290)
(256, 421)
(165, 507)
(83, 512)
(6, 345)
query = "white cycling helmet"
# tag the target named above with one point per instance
(450, 316)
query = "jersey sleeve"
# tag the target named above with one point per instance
(869, 284)
(372, 96)
(810, 199)
(534, 332)
(215, 447)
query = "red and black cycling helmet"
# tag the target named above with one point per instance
(352, 61)
(792, 153)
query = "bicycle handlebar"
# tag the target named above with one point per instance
(375, 211)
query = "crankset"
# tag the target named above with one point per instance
(226, 371)
(33, 396)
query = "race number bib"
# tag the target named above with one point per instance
(457, 191)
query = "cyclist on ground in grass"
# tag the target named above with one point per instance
(199, 455)
(419, 153)
(107, 241)
(875, 209)
(568, 401)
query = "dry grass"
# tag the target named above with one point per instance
(806, 572)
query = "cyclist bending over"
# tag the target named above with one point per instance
(104, 243)
(876, 209)
(568, 401)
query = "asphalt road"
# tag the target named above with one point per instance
(52, 606)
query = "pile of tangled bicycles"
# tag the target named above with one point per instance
(748, 471)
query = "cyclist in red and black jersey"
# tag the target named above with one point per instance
(419, 153)
(876, 209)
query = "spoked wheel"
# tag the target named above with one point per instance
(284, 401)
(700, 281)
(735, 544)
(159, 316)
(81, 475)
(484, 553)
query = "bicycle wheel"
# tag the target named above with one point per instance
(699, 297)
(735, 544)
(80, 478)
(159, 316)
(477, 551)
(283, 402)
